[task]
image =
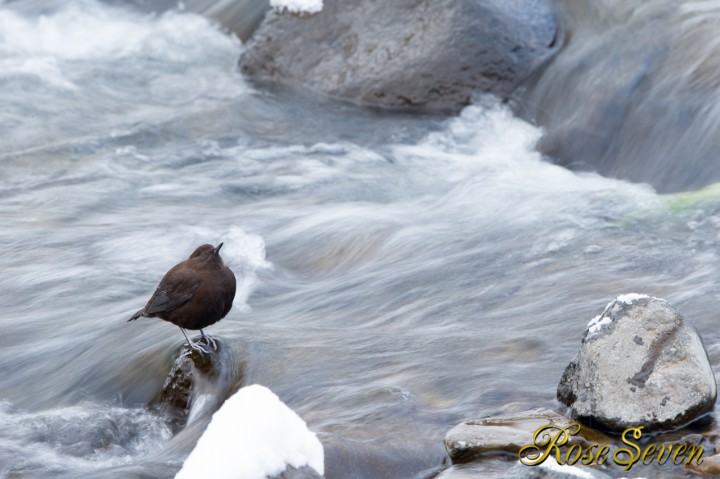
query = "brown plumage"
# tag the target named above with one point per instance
(194, 294)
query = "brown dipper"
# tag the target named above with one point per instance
(194, 294)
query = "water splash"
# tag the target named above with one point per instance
(76, 438)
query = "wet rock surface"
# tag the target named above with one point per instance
(710, 466)
(641, 364)
(552, 470)
(175, 397)
(303, 472)
(405, 53)
(469, 440)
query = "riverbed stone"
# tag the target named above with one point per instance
(710, 466)
(175, 397)
(550, 469)
(303, 472)
(641, 363)
(405, 53)
(494, 469)
(471, 439)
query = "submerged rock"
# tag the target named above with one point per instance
(405, 53)
(304, 472)
(550, 469)
(632, 93)
(470, 439)
(547, 470)
(641, 364)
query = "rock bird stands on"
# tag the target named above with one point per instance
(194, 294)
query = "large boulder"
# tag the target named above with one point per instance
(641, 364)
(405, 53)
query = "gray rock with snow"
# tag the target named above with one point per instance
(641, 364)
(405, 53)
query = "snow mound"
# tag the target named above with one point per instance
(252, 436)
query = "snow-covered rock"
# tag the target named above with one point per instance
(253, 435)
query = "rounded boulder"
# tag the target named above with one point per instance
(405, 53)
(641, 363)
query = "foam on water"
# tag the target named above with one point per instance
(82, 61)
(82, 437)
(83, 30)
(490, 146)
(297, 6)
(244, 253)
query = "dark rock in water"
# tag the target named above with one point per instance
(551, 470)
(405, 53)
(471, 439)
(641, 364)
(176, 395)
(502, 469)
(304, 472)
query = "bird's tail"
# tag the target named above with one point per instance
(136, 315)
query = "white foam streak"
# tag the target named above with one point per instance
(80, 437)
(55, 47)
(87, 30)
(297, 6)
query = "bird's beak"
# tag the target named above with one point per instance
(217, 248)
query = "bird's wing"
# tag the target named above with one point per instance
(175, 289)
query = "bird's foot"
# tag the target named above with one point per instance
(209, 340)
(194, 347)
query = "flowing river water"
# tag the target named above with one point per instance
(397, 273)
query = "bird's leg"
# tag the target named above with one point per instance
(194, 346)
(208, 340)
